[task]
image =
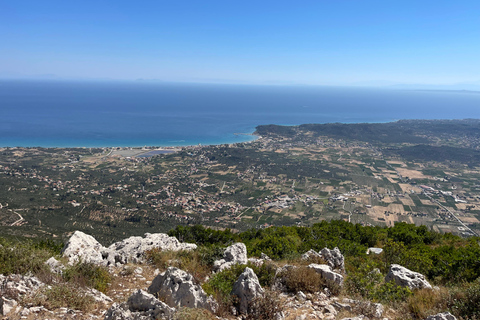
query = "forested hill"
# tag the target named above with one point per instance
(422, 140)
(403, 131)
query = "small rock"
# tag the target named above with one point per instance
(301, 296)
(7, 305)
(55, 265)
(234, 254)
(327, 273)
(442, 316)
(330, 309)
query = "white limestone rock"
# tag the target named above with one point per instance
(120, 312)
(83, 247)
(142, 301)
(178, 288)
(55, 265)
(246, 288)
(131, 250)
(327, 273)
(98, 296)
(18, 285)
(407, 278)
(311, 254)
(442, 316)
(234, 254)
(334, 258)
(7, 305)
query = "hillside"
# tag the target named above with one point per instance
(318, 272)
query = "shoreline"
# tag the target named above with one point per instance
(250, 137)
(147, 148)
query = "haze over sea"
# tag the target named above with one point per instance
(102, 114)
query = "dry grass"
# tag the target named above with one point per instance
(60, 295)
(189, 261)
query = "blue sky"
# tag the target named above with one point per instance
(291, 42)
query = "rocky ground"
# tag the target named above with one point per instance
(141, 291)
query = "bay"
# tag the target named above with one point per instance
(103, 114)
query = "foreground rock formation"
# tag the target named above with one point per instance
(177, 288)
(407, 278)
(83, 247)
(174, 288)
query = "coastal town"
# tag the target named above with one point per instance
(267, 182)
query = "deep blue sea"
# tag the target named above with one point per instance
(101, 114)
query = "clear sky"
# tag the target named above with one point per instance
(262, 41)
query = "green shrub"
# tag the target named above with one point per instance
(222, 282)
(466, 301)
(88, 275)
(22, 258)
(368, 283)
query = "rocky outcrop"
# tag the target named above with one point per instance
(407, 278)
(246, 288)
(327, 273)
(15, 285)
(334, 258)
(83, 247)
(311, 254)
(140, 305)
(442, 316)
(236, 253)
(131, 250)
(178, 288)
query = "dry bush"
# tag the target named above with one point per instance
(189, 261)
(303, 279)
(61, 295)
(425, 302)
(313, 259)
(193, 314)
(265, 307)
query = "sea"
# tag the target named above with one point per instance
(138, 113)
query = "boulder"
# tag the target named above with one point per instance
(327, 273)
(334, 258)
(140, 306)
(142, 301)
(83, 247)
(311, 254)
(7, 305)
(131, 250)
(407, 278)
(246, 288)
(178, 288)
(236, 253)
(55, 265)
(442, 316)
(121, 312)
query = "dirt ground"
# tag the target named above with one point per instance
(412, 174)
